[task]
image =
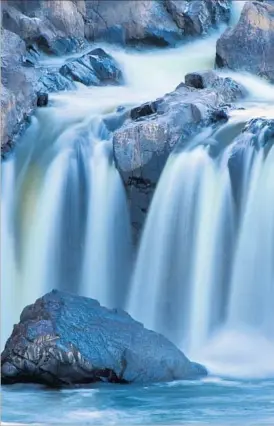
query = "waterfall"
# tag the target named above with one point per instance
(204, 273)
(65, 221)
(185, 250)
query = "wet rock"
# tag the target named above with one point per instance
(53, 81)
(157, 23)
(94, 68)
(131, 22)
(249, 46)
(142, 145)
(228, 87)
(143, 110)
(64, 339)
(55, 28)
(42, 99)
(17, 95)
(199, 16)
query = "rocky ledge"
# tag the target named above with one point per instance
(143, 143)
(63, 339)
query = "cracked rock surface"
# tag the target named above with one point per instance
(65, 339)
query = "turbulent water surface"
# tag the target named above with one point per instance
(209, 402)
(65, 224)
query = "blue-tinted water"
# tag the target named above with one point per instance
(208, 402)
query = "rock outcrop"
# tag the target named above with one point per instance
(64, 339)
(144, 142)
(249, 46)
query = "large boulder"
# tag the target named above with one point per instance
(66, 339)
(199, 16)
(143, 143)
(249, 46)
(133, 21)
(17, 96)
(94, 68)
(53, 26)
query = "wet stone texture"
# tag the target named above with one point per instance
(63, 339)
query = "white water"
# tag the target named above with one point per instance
(204, 275)
(65, 221)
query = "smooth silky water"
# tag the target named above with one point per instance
(65, 224)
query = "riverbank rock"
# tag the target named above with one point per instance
(249, 46)
(144, 142)
(64, 339)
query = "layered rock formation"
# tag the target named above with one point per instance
(249, 46)
(64, 339)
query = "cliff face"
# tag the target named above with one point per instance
(59, 27)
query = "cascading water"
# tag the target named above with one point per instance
(65, 221)
(204, 274)
(64, 211)
(64, 216)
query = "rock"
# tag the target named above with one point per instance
(64, 339)
(249, 46)
(228, 87)
(136, 21)
(143, 110)
(161, 23)
(142, 146)
(199, 16)
(23, 84)
(56, 27)
(52, 81)
(42, 99)
(94, 68)
(17, 96)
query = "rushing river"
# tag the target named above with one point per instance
(65, 224)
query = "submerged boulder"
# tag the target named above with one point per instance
(249, 46)
(64, 339)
